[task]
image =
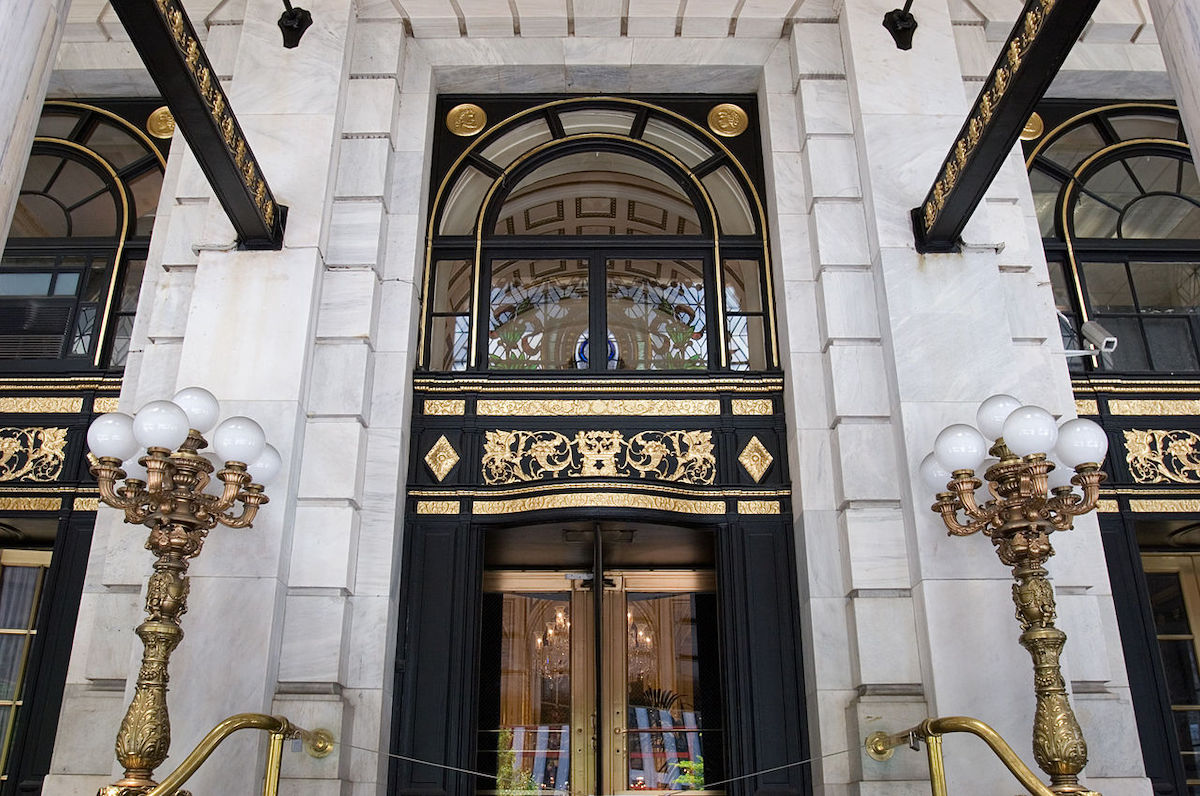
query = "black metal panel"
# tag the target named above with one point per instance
(1031, 57)
(1143, 664)
(37, 723)
(175, 58)
(436, 660)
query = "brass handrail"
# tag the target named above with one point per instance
(317, 743)
(880, 745)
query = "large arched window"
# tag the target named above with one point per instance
(594, 219)
(1118, 204)
(77, 246)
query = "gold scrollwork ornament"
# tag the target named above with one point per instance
(32, 454)
(1158, 456)
(517, 456)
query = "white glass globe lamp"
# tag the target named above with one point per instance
(933, 474)
(111, 436)
(1030, 429)
(960, 447)
(1081, 441)
(160, 424)
(268, 464)
(992, 414)
(239, 439)
(201, 407)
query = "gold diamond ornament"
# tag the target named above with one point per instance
(441, 458)
(756, 459)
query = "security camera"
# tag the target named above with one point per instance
(1100, 337)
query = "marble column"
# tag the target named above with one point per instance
(1177, 23)
(29, 36)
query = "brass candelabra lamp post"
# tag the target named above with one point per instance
(153, 468)
(1027, 497)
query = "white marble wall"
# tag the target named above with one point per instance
(899, 621)
(30, 31)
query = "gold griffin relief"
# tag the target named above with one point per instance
(1157, 456)
(680, 456)
(32, 454)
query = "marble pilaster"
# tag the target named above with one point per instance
(1177, 23)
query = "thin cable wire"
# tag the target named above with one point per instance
(707, 785)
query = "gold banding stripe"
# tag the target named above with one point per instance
(445, 406)
(41, 405)
(30, 504)
(752, 406)
(1164, 506)
(1107, 507)
(583, 407)
(758, 506)
(438, 506)
(611, 500)
(1086, 406)
(1155, 406)
(102, 405)
(86, 504)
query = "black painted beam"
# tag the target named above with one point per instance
(172, 53)
(1032, 55)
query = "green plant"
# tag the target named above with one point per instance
(692, 777)
(509, 779)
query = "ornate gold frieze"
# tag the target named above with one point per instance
(445, 406)
(597, 407)
(1086, 406)
(680, 456)
(102, 405)
(756, 459)
(441, 458)
(438, 507)
(30, 504)
(758, 506)
(41, 405)
(1002, 77)
(1153, 406)
(1158, 456)
(1107, 506)
(32, 454)
(86, 504)
(218, 106)
(728, 120)
(752, 406)
(619, 500)
(1164, 506)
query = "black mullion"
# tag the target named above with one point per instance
(1110, 136)
(597, 311)
(90, 197)
(555, 124)
(483, 291)
(62, 163)
(1179, 176)
(639, 123)
(138, 167)
(486, 166)
(712, 317)
(709, 166)
(1052, 169)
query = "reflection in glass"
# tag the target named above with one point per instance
(538, 310)
(1108, 287)
(746, 342)
(1072, 147)
(596, 120)
(673, 714)
(733, 208)
(463, 201)
(682, 145)
(657, 315)
(1170, 343)
(450, 325)
(509, 146)
(525, 693)
(597, 193)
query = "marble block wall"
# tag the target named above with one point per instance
(899, 622)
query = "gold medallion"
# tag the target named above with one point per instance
(728, 120)
(161, 123)
(466, 119)
(1033, 128)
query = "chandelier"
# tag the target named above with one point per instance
(641, 647)
(553, 645)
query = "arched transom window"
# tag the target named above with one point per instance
(595, 234)
(1118, 204)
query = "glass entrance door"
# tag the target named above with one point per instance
(583, 697)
